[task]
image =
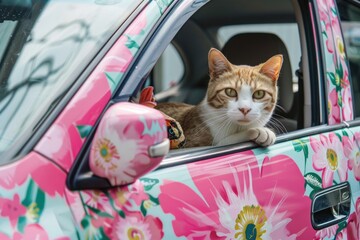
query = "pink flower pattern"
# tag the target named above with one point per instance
(125, 197)
(136, 226)
(328, 232)
(347, 111)
(352, 152)
(333, 107)
(329, 158)
(120, 151)
(39, 169)
(338, 86)
(12, 209)
(97, 200)
(353, 227)
(31, 232)
(252, 200)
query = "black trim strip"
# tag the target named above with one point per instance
(193, 155)
(318, 96)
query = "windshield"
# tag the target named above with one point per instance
(44, 46)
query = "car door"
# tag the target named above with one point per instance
(248, 192)
(230, 192)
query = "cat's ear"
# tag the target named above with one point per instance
(271, 68)
(218, 64)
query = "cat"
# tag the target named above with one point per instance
(240, 100)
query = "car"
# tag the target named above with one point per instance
(80, 158)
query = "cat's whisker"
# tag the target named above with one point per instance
(212, 115)
(275, 127)
(219, 113)
(279, 122)
(215, 119)
(208, 123)
(270, 124)
(212, 122)
(278, 115)
(278, 125)
(224, 125)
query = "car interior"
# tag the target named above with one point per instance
(249, 33)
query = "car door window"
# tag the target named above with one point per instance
(240, 42)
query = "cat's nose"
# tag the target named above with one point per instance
(245, 110)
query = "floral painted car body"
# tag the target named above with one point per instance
(81, 160)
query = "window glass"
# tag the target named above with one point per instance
(263, 38)
(44, 46)
(350, 24)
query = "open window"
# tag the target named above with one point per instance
(246, 33)
(175, 62)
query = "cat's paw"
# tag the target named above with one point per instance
(262, 136)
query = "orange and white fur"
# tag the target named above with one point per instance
(239, 102)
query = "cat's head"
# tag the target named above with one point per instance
(246, 94)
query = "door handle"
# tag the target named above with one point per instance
(331, 206)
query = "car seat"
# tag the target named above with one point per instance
(255, 48)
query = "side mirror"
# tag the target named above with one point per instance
(130, 141)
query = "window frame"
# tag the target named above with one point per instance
(167, 30)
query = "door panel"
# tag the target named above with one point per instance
(267, 192)
(32, 201)
(266, 185)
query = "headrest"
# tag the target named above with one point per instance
(255, 48)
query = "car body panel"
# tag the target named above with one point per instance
(33, 201)
(338, 87)
(69, 131)
(200, 198)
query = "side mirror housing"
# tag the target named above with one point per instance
(130, 141)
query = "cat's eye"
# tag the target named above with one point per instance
(259, 94)
(231, 92)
